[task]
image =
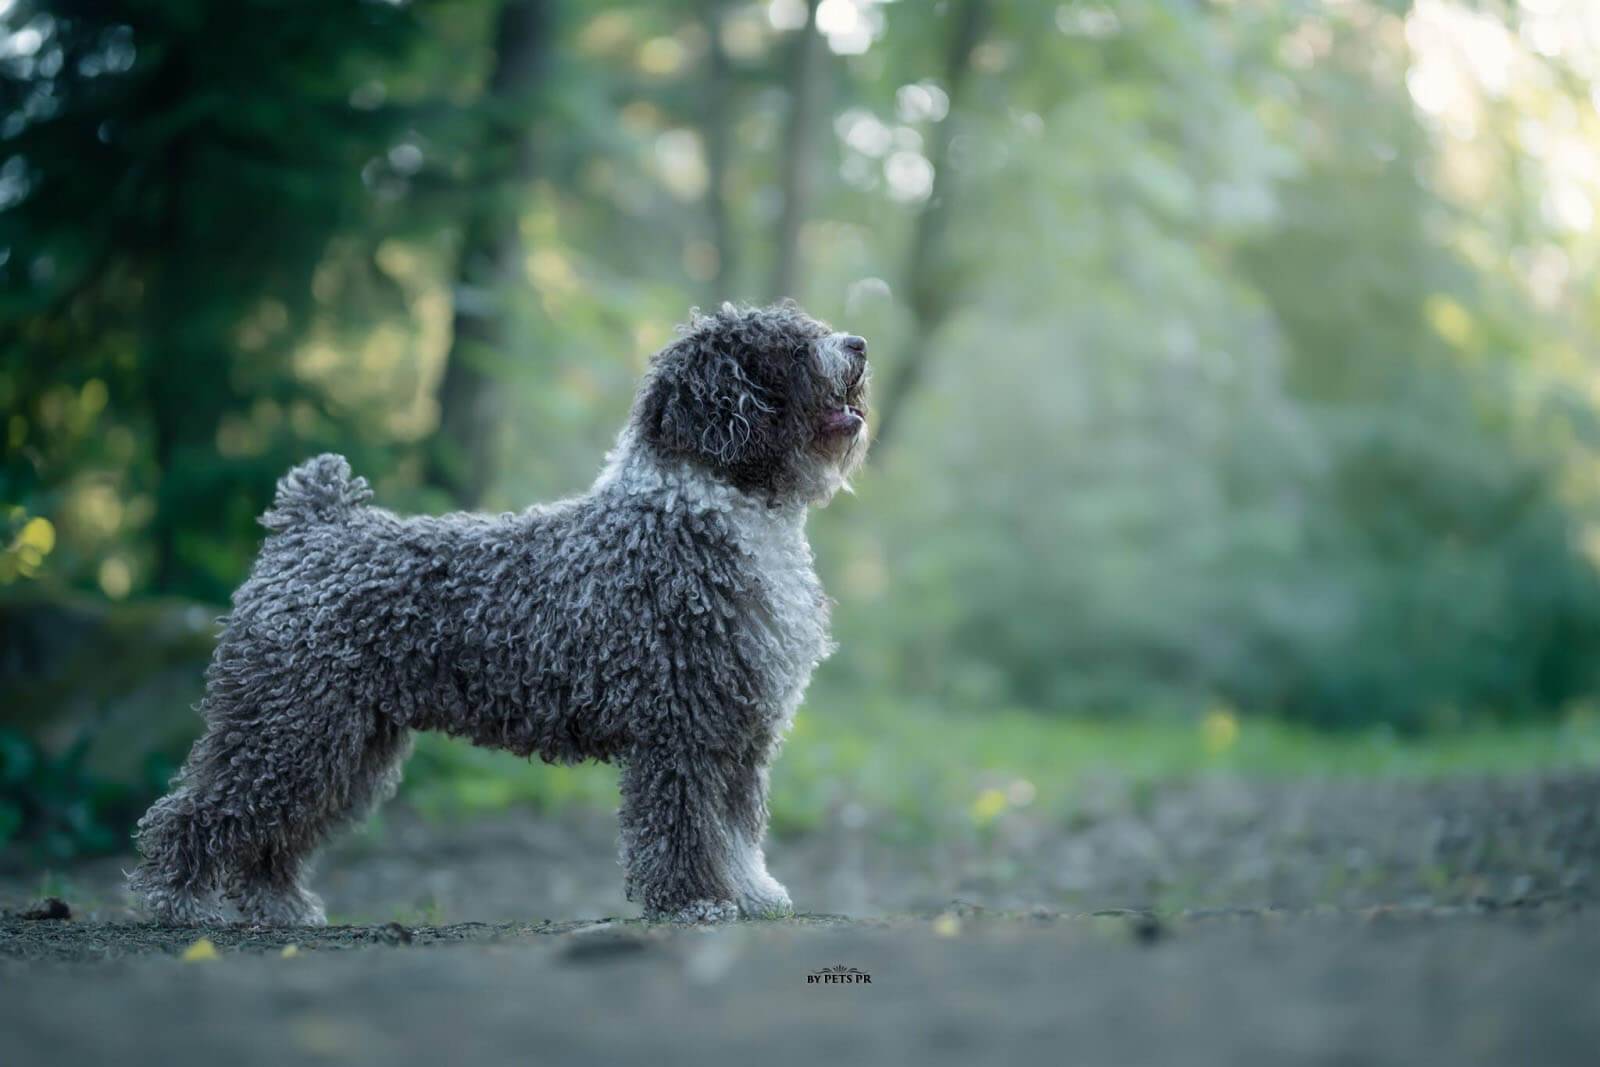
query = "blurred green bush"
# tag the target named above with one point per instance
(55, 807)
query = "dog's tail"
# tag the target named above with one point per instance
(320, 490)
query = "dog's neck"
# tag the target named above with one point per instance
(632, 469)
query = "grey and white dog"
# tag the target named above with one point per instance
(668, 620)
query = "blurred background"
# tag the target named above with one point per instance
(1236, 391)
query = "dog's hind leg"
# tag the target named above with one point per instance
(178, 879)
(345, 779)
(268, 890)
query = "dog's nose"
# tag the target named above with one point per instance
(855, 343)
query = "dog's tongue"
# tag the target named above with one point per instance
(846, 420)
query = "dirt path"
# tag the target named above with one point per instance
(1338, 923)
(1404, 988)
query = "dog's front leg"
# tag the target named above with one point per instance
(692, 824)
(759, 895)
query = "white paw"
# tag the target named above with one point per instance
(770, 901)
(766, 909)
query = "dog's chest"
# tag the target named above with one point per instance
(787, 617)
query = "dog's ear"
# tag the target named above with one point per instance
(700, 402)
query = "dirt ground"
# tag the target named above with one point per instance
(1219, 922)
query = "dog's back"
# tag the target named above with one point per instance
(496, 628)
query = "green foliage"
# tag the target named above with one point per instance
(924, 770)
(56, 808)
(1222, 428)
(196, 188)
(446, 776)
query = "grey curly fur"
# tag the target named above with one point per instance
(668, 620)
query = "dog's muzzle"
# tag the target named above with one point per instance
(851, 415)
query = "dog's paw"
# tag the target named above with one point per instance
(702, 911)
(275, 907)
(766, 909)
(771, 903)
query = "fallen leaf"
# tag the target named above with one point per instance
(202, 949)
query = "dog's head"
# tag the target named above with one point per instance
(768, 399)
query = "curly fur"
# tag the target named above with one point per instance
(669, 620)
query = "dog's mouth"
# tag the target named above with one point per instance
(843, 421)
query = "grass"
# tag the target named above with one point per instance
(925, 766)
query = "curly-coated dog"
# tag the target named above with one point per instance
(669, 620)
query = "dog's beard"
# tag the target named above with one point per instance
(855, 454)
(849, 453)
(833, 469)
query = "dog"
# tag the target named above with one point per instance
(667, 620)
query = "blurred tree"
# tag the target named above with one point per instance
(927, 283)
(1216, 433)
(804, 87)
(1444, 548)
(490, 270)
(718, 108)
(180, 174)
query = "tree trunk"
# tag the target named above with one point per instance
(462, 459)
(925, 283)
(718, 132)
(804, 60)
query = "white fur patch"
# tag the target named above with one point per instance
(790, 622)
